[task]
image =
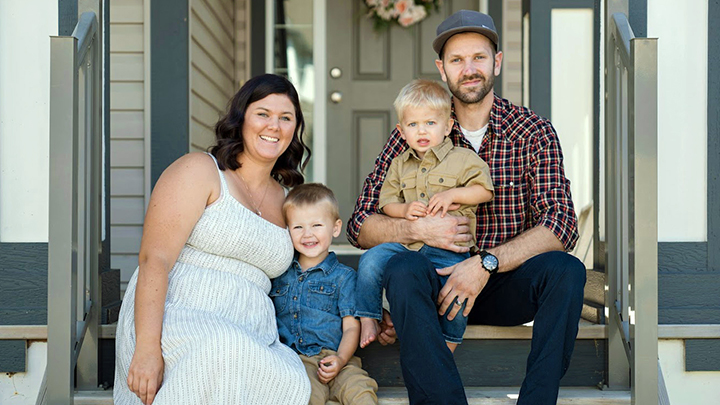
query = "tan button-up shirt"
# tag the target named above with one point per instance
(443, 167)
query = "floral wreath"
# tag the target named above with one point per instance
(403, 12)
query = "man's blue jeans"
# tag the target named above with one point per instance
(368, 290)
(547, 288)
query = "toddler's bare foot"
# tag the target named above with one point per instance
(369, 330)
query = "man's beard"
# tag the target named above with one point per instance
(471, 96)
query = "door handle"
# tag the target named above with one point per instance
(336, 97)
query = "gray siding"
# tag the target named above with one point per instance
(212, 65)
(127, 132)
(512, 50)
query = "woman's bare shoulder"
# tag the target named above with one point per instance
(195, 169)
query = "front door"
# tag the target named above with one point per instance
(366, 70)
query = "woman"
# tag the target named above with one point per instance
(196, 325)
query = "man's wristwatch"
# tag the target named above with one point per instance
(489, 262)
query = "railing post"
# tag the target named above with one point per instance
(62, 249)
(618, 365)
(87, 362)
(643, 122)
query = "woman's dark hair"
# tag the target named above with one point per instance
(228, 130)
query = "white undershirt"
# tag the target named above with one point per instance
(475, 137)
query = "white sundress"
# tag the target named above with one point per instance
(219, 335)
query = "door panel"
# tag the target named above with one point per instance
(374, 68)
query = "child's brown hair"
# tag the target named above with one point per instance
(308, 194)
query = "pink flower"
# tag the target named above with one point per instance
(412, 15)
(402, 5)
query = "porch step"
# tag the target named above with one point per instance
(490, 356)
(476, 396)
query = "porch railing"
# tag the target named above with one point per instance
(631, 213)
(75, 239)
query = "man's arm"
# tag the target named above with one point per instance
(552, 212)
(444, 233)
(367, 228)
(468, 278)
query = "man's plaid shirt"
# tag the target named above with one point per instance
(526, 166)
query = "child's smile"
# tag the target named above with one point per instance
(312, 229)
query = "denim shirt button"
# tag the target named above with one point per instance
(295, 298)
(300, 279)
(300, 340)
(295, 315)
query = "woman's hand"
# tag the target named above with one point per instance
(329, 367)
(146, 373)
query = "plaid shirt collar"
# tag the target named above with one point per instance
(498, 116)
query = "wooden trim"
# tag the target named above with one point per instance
(23, 332)
(39, 332)
(688, 331)
(525, 332)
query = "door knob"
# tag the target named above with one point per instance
(336, 97)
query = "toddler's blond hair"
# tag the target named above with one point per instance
(422, 93)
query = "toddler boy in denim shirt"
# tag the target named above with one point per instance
(315, 301)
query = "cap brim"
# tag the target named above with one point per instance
(439, 42)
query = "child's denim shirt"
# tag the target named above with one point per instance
(310, 305)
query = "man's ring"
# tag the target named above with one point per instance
(457, 301)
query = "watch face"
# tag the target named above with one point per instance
(490, 262)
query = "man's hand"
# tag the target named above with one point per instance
(466, 280)
(415, 210)
(329, 367)
(441, 201)
(387, 333)
(146, 373)
(445, 233)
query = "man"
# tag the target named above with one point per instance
(521, 272)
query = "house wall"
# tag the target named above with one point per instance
(511, 39)
(24, 122)
(24, 181)
(212, 66)
(129, 136)
(688, 277)
(686, 387)
(682, 117)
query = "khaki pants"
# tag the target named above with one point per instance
(352, 385)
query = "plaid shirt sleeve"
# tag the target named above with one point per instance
(367, 202)
(550, 202)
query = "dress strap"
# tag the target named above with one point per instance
(224, 190)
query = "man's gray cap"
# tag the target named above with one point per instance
(465, 21)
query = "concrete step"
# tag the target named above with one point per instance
(476, 396)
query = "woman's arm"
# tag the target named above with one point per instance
(180, 196)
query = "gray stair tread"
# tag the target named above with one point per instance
(588, 330)
(476, 396)
(508, 395)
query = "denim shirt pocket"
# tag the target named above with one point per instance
(279, 296)
(323, 295)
